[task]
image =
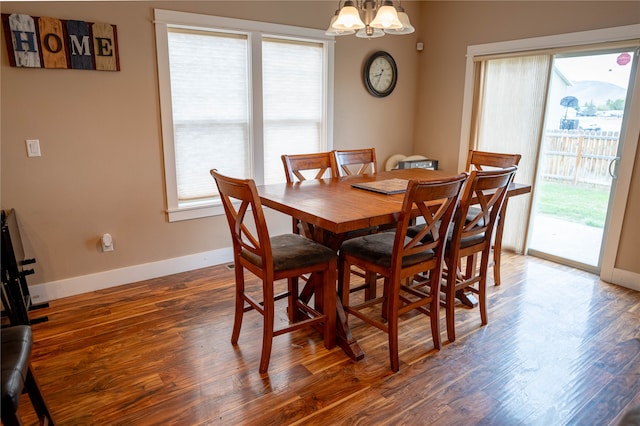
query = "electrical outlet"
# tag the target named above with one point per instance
(33, 147)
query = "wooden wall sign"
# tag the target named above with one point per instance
(43, 42)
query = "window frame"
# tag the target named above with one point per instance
(255, 31)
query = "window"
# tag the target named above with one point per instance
(235, 95)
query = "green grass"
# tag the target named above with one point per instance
(587, 206)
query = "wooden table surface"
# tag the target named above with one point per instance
(334, 205)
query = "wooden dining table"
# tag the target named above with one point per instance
(332, 209)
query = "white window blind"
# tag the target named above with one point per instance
(235, 95)
(510, 113)
(210, 100)
(293, 108)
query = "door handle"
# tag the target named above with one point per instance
(612, 164)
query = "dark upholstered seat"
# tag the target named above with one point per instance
(17, 376)
(16, 354)
(378, 249)
(283, 257)
(292, 251)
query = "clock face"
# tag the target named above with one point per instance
(380, 74)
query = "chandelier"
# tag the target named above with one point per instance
(388, 19)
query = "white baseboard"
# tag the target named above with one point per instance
(42, 293)
(626, 279)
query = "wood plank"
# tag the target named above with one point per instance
(52, 42)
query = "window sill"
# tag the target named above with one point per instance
(195, 211)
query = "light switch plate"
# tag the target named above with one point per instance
(33, 147)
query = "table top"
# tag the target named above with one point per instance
(334, 205)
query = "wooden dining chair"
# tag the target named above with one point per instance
(355, 162)
(471, 236)
(300, 167)
(398, 258)
(482, 160)
(287, 256)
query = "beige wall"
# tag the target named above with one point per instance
(101, 164)
(447, 28)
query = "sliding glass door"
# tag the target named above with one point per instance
(576, 172)
(565, 111)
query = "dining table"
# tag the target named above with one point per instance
(333, 208)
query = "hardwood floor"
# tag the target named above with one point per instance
(561, 347)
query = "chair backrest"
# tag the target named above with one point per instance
(244, 216)
(435, 202)
(486, 191)
(482, 160)
(355, 162)
(318, 163)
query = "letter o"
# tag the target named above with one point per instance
(47, 43)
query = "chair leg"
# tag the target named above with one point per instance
(392, 329)
(450, 298)
(434, 315)
(37, 399)
(267, 334)
(294, 314)
(482, 287)
(497, 245)
(239, 309)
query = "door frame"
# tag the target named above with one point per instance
(631, 133)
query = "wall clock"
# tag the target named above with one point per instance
(380, 74)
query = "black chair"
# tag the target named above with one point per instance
(16, 298)
(18, 377)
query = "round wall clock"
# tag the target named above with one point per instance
(380, 74)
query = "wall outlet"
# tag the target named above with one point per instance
(107, 242)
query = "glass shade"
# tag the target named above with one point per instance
(331, 31)
(375, 33)
(386, 18)
(348, 19)
(407, 28)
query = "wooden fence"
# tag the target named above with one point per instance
(579, 157)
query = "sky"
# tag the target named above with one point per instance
(596, 68)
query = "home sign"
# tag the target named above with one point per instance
(43, 42)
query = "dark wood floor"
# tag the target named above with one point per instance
(561, 348)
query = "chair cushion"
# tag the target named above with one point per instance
(472, 213)
(16, 354)
(292, 251)
(465, 242)
(378, 249)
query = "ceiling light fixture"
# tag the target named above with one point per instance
(380, 17)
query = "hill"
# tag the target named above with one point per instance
(597, 92)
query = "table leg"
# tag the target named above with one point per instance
(344, 338)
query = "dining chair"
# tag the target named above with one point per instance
(355, 162)
(482, 160)
(317, 165)
(271, 259)
(300, 167)
(342, 163)
(398, 258)
(471, 236)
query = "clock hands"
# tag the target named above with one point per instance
(379, 76)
